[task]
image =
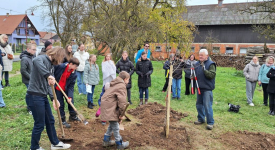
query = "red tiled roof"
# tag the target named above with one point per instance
(10, 23)
(42, 34)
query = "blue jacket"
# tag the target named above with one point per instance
(140, 52)
(69, 88)
(1, 59)
(262, 74)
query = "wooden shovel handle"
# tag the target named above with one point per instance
(58, 112)
(66, 96)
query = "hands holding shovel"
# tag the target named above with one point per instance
(51, 81)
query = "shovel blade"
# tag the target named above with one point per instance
(121, 127)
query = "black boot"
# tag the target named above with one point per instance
(94, 104)
(64, 123)
(90, 105)
(73, 117)
(7, 83)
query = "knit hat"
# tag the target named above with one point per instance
(47, 43)
(123, 75)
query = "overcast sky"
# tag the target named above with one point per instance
(20, 6)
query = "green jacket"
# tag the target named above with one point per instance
(91, 75)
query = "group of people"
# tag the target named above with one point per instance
(59, 69)
(263, 75)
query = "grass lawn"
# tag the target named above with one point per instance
(16, 124)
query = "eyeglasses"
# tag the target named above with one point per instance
(34, 49)
(147, 46)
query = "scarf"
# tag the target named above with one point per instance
(3, 45)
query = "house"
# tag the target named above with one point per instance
(231, 29)
(18, 28)
(46, 36)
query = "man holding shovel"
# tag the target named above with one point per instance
(65, 75)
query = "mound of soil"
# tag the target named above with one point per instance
(249, 140)
(145, 131)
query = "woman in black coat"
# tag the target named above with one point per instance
(271, 90)
(124, 64)
(144, 69)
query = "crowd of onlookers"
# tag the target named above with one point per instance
(41, 73)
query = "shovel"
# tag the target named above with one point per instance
(59, 117)
(80, 116)
(121, 127)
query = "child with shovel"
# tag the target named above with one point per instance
(39, 87)
(113, 103)
(65, 74)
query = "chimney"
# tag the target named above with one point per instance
(220, 3)
(8, 14)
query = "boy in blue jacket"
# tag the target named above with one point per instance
(65, 75)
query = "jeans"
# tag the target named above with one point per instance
(166, 85)
(141, 90)
(91, 95)
(250, 88)
(176, 86)
(204, 107)
(2, 103)
(6, 75)
(42, 115)
(60, 97)
(27, 98)
(264, 85)
(114, 127)
(80, 84)
(272, 101)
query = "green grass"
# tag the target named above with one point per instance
(15, 67)
(16, 125)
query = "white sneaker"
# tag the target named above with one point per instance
(60, 145)
(251, 104)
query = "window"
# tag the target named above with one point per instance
(229, 50)
(216, 50)
(192, 49)
(158, 49)
(243, 50)
(168, 48)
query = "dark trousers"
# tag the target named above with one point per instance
(187, 86)
(27, 98)
(141, 90)
(61, 98)
(272, 101)
(264, 85)
(6, 75)
(166, 85)
(129, 94)
(42, 115)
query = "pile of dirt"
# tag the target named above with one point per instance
(249, 140)
(145, 131)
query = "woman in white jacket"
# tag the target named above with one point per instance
(108, 69)
(82, 56)
(8, 58)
